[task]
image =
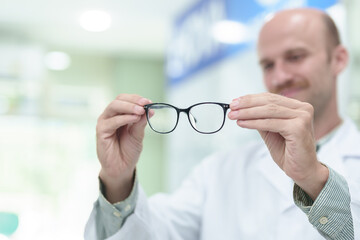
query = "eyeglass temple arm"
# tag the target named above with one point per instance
(157, 107)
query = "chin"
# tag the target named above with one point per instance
(301, 98)
(298, 94)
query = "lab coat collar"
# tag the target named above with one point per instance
(342, 146)
(346, 140)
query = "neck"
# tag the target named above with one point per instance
(322, 130)
(326, 121)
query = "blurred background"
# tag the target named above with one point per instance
(62, 62)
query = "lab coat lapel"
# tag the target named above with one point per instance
(276, 177)
(343, 145)
(349, 139)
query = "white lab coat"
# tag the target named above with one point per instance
(240, 195)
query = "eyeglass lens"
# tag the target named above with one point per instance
(163, 119)
(205, 117)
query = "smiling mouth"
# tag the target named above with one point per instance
(290, 92)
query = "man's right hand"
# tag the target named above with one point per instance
(119, 135)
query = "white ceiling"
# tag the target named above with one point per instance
(138, 27)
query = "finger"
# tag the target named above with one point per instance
(129, 97)
(137, 129)
(266, 111)
(285, 127)
(118, 107)
(133, 98)
(110, 125)
(254, 100)
(271, 125)
(151, 113)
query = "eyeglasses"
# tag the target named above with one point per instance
(205, 117)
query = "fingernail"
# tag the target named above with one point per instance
(232, 114)
(234, 104)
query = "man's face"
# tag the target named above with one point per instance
(295, 60)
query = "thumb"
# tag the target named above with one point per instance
(263, 134)
(138, 128)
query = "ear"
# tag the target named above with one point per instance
(340, 59)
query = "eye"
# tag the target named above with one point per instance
(295, 57)
(267, 66)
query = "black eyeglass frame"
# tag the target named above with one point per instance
(224, 106)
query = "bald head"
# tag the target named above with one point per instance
(331, 31)
(314, 20)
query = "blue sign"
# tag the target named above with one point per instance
(193, 46)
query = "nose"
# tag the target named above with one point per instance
(281, 76)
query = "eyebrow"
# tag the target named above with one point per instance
(299, 49)
(287, 52)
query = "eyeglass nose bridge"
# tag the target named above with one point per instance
(190, 117)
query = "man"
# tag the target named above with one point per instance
(309, 152)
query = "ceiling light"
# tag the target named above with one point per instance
(95, 21)
(229, 32)
(57, 61)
